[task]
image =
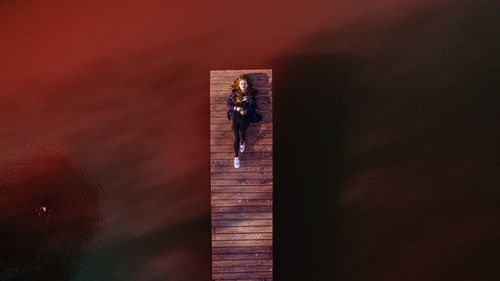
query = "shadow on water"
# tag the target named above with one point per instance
(308, 146)
(386, 150)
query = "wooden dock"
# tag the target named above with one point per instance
(242, 217)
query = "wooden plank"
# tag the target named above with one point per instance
(238, 188)
(241, 223)
(223, 78)
(241, 182)
(226, 127)
(221, 90)
(267, 116)
(241, 262)
(241, 236)
(239, 175)
(224, 85)
(220, 118)
(241, 202)
(223, 120)
(223, 107)
(241, 216)
(262, 101)
(242, 209)
(221, 82)
(229, 162)
(262, 98)
(252, 256)
(244, 169)
(242, 229)
(242, 250)
(222, 112)
(258, 127)
(244, 157)
(242, 195)
(249, 141)
(250, 134)
(247, 155)
(223, 93)
(242, 243)
(248, 148)
(240, 269)
(218, 87)
(239, 276)
(220, 103)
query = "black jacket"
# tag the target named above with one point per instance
(250, 105)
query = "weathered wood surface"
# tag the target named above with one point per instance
(242, 199)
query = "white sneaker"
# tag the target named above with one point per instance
(236, 162)
(242, 147)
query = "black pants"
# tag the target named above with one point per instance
(239, 125)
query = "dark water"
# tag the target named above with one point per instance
(50, 212)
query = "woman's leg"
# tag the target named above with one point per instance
(243, 128)
(236, 136)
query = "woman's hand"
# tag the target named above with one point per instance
(243, 112)
(238, 108)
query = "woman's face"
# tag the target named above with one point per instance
(243, 85)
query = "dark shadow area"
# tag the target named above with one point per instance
(386, 158)
(262, 84)
(309, 140)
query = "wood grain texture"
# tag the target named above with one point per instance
(241, 199)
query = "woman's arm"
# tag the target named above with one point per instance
(231, 104)
(252, 105)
